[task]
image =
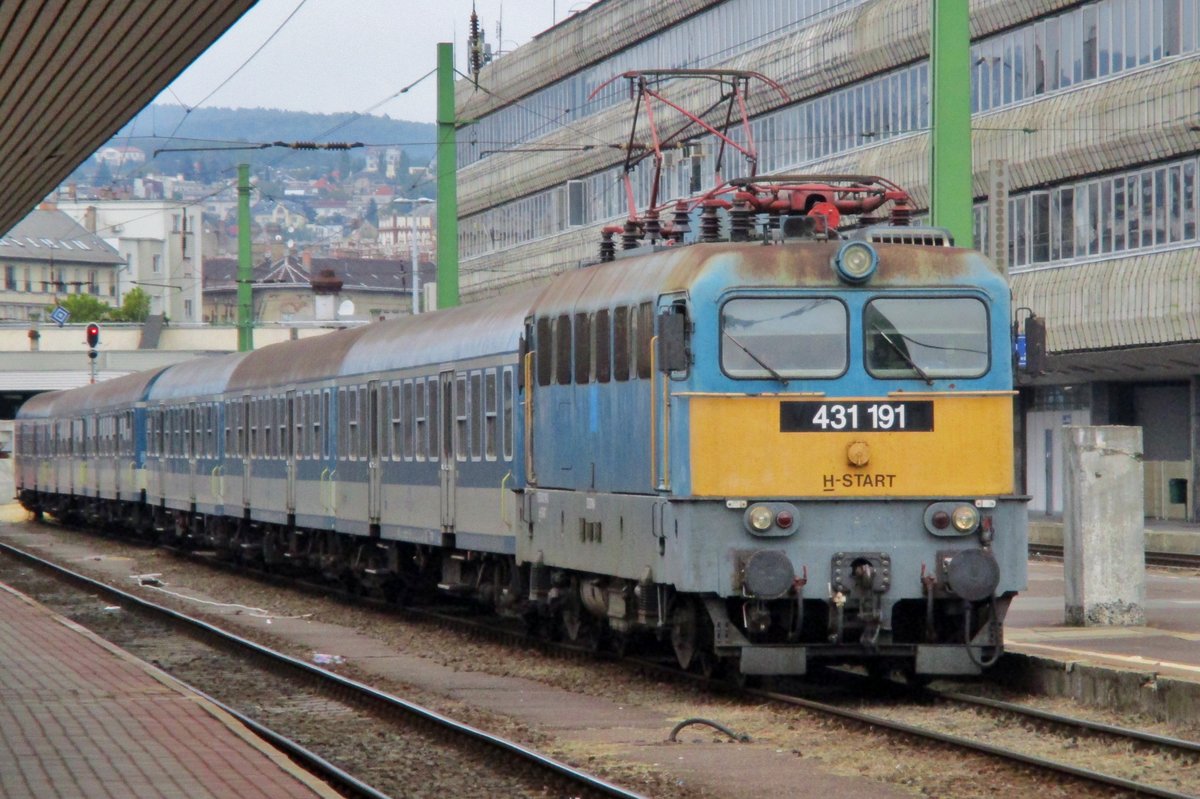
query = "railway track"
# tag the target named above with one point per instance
(1159, 746)
(1070, 734)
(1167, 559)
(498, 753)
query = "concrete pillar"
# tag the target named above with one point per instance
(1103, 526)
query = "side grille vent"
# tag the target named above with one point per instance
(923, 236)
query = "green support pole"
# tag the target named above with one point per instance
(245, 272)
(447, 191)
(951, 170)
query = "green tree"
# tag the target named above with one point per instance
(135, 308)
(84, 308)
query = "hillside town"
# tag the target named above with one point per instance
(128, 227)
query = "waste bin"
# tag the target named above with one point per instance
(1177, 491)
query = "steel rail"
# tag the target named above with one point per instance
(1141, 736)
(1180, 560)
(357, 690)
(1100, 778)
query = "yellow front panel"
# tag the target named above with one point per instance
(738, 450)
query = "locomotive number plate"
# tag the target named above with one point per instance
(909, 416)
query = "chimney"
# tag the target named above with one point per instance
(72, 191)
(89, 218)
(47, 205)
(306, 259)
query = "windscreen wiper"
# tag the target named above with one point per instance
(900, 351)
(756, 359)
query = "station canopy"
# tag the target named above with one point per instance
(72, 72)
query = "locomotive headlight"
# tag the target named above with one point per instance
(965, 518)
(855, 261)
(761, 518)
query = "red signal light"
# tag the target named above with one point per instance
(93, 335)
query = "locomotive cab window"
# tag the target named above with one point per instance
(926, 337)
(784, 337)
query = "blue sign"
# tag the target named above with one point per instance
(60, 315)
(1022, 356)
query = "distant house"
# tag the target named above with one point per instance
(119, 156)
(283, 288)
(281, 214)
(49, 256)
(399, 223)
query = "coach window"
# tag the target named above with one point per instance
(270, 445)
(926, 337)
(326, 430)
(621, 344)
(475, 400)
(434, 411)
(407, 399)
(759, 335)
(420, 421)
(395, 411)
(545, 352)
(462, 415)
(284, 421)
(508, 396)
(489, 415)
(602, 332)
(583, 349)
(300, 426)
(562, 350)
(353, 431)
(343, 436)
(645, 337)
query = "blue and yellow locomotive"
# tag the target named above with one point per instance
(767, 453)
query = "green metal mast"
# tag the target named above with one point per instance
(951, 169)
(245, 272)
(447, 192)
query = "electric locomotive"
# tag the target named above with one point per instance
(780, 446)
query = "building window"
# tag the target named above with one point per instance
(156, 264)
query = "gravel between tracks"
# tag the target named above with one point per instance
(792, 750)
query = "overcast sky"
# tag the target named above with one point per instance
(349, 55)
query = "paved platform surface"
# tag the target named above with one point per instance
(1169, 643)
(80, 718)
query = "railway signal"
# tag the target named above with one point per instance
(93, 339)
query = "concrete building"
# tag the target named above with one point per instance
(159, 241)
(1092, 106)
(289, 289)
(403, 222)
(49, 256)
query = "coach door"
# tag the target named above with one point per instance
(448, 465)
(287, 447)
(374, 432)
(244, 434)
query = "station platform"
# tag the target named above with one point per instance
(79, 718)
(1167, 537)
(1153, 669)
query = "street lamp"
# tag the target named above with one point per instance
(412, 247)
